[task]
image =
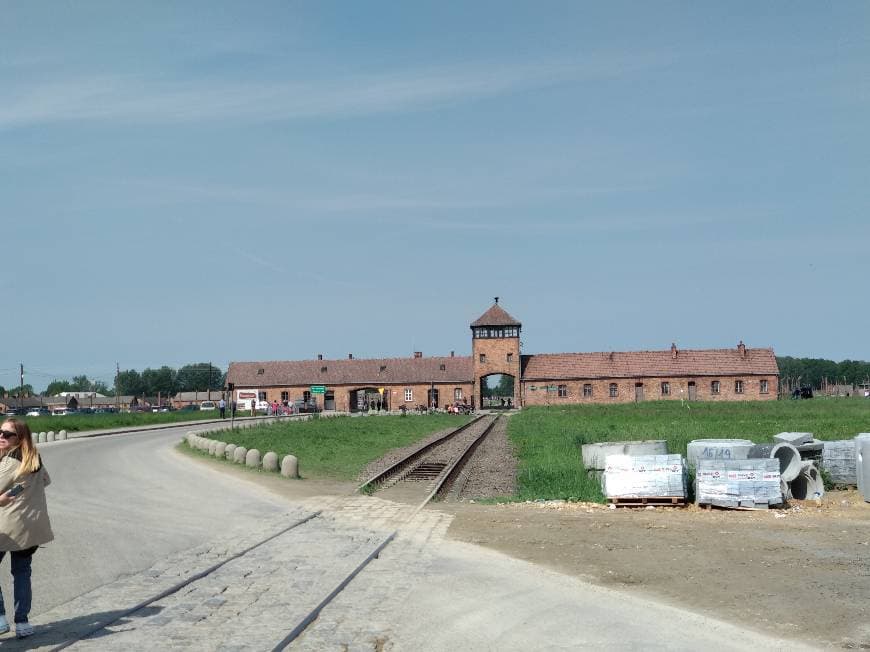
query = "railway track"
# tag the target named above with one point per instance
(426, 474)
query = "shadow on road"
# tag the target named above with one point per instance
(50, 635)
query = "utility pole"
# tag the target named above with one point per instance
(21, 387)
(117, 396)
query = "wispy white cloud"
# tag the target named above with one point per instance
(136, 99)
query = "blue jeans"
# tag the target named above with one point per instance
(20, 583)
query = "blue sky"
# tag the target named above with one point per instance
(184, 182)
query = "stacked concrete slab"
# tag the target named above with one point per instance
(750, 483)
(838, 460)
(645, 476)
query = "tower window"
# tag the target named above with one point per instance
(483, 358)
(510, 357)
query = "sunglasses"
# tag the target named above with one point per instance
(6, 434)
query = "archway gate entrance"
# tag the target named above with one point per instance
(497, 392)
(369, 399)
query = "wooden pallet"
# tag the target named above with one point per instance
(643, 501)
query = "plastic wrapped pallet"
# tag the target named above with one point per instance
(838, 460)
(738, 483)
(644, 476)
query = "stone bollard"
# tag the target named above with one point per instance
(211, 446)
(252, 458)
(270, 461)
(220, 450)
(290, 466)
(191, 437)
(240, 454)
(61, 435)
(40, 438)
(49, 436)
(229, 452)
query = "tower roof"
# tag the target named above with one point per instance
(495, 316)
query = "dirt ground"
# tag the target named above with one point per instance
(802, 572)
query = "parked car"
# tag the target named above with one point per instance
(106, 410)
(207, 405)
(13, 412)
(38, 412)
(300, 406)
(189, 408)
(85, 410)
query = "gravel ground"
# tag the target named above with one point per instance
(493, 469)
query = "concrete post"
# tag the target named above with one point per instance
(252, 459)
(240, 454)
(290, 466)
(270, 461)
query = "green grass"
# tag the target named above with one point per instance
(548, 439)
(339, 447)
(78, 423)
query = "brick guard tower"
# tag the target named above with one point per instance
(495, 349)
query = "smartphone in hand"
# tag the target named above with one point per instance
(15, 489)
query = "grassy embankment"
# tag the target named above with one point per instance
(548, 439)
(79, 423)
(339, 447)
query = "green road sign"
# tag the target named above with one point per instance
(318, 389)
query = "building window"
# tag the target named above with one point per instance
(587, 390)
(614, 390)
(261, 396)
(483, 358)
(666, 389)
(563, 391)
(763, 388)
(457, 394)
(306, 396)
(285, 396)
(714, 387)
(510, 357)
(409, 395)
(738, 386)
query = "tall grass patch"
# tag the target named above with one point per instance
(339, 447)
(80, 423)
(548, 439)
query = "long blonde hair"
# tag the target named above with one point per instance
(30, 461)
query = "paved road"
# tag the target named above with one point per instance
(120, 503)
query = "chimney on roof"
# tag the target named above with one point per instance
(320, 356)
(741, 349)
(451, 354)
(611, 356)
(673, 350)
(350, 356)
(496, 299)
(418, 354)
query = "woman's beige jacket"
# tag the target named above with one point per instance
(24, 522)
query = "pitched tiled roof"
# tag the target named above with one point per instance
(495, 316)
(374, 372)
(631, 364)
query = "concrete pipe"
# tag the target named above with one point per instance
(789, 460)
(717, 449)
(595, 455)
(230, 452)
(240, 454)
(808, 484)
(290, 466)
(252, 459)
(270, 461)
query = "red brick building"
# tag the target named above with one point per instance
(736, 374)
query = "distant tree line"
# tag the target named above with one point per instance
(816, 371)
(166, 381)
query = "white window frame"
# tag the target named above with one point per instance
(457, 394)
(409, 395)
(738, 386)
(763, 387)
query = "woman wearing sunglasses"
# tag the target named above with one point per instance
(24, 523)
